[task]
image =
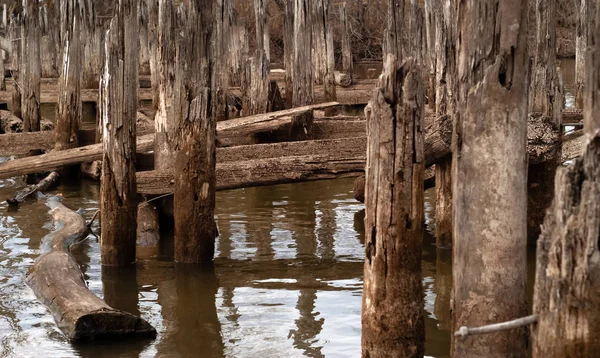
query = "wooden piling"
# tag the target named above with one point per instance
(347, 62)
(195, 180)
(32, 71)
(489, 187)
(328, 58)
(92, 40)
(392, 311)
(303, 73)
(545, 108)
(50, 40)
(584, 24)
(258, 67)
(568, 259)
(68, 114)
(118, 107)
(166, 118)
(288, 48)
(17, 54)
(152, 6)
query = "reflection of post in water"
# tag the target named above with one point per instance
(119, 285)
(443, 288)
(307, 326)
(302, 222)
(224, 239)
(258, 228)
(232, 311)
(359, 225)
(326, 230)
(190, 313)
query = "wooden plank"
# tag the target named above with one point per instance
(244, 121)
(54, 160)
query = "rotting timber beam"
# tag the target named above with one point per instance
(62, 158)
(57, 281)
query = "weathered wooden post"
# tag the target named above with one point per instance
(443, 18)
(118, 108)
(327, 59)
(392, 313)
(545, 116)
(92, 39)
(166, 118)
(567, 280)
(489, 185)
(347, 62)
(195, 180)
(50, 42)
(258, 67)
(144, 51)
(17, 54)
(303, 91)
(288, 49)
(584, 23)
(68, 114)
(32, 70)
(2, 52)
(430, 10)
(152, 6)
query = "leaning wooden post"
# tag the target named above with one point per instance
(347, 63)
(288, 49)
(584, 21)
(68, 114)
(165, 121)
(545, 115)
(566, 287)
(195, 179)
(32, 70)
(489, 186)
(118, 108)
(392, 309)
(303, 94)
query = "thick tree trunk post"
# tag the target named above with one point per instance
(347, 62)
(431, 24)
(328, 57)
(288, 49)
(92, 39)
(545, 108)
(32, 70)
(568, 261)
(220, 79)
(68, 114)
(259, 66)
(195, 179)
(118, 110)
(50, 45)
(490, 218)
(152, 6)
(166, 118)
(317, 27)
(584, 21)
(144, 52)
(392, 310)
(57, 281)
(303, 94)
(443, 203)
(16, 56)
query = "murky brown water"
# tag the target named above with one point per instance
(287, 280)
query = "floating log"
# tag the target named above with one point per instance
(58, 159)
(57, 281)
(50, 181)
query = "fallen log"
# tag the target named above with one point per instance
(265, 117)
(58, 159)
(50, 181)
(57, 281)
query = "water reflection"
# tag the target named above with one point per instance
(287, 280)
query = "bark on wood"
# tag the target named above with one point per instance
(49, 182)
(31, 67)
(490, 219)
(118, 110)
(58, 282)
(68, 115)
(392, 315)
(303, 92)
(568, 261)
(347, 62)
(166, 115)
(195, 180)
